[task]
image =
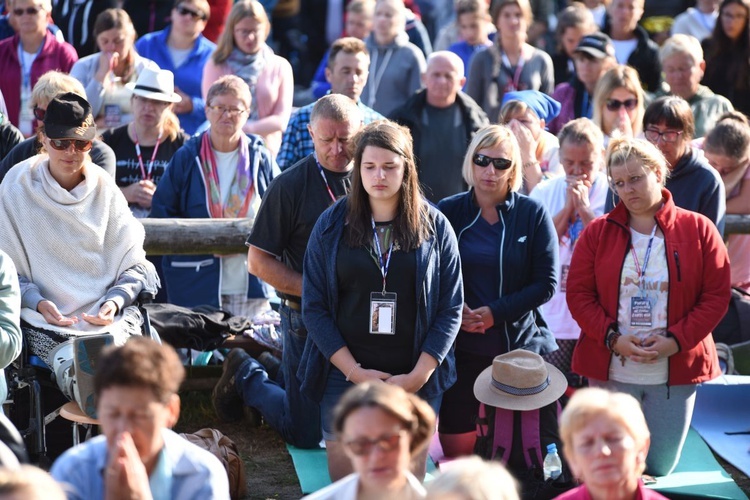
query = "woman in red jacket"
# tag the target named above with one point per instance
(647, 284)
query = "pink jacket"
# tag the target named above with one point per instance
(54, 55)
(273, 96)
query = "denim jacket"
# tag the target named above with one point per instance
(440, 299)
(528, 255)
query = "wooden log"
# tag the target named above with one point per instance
(737, 224)
(196, 236)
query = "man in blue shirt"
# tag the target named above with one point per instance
(347, 73)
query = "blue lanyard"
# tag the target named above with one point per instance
(323, 175)
(383, 265)
(26, 75)
(642, 271)
(585, 105)
(575, 229)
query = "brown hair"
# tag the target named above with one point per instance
(524, 5)
(347, 45)
(141, 362)
(575, 15)
(111, 19)
(411, 226)
(415, 415)
(730, 137)
(674, 112)
(229, 85)
(240, 10)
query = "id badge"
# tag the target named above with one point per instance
(564, 277)
(112, 115)
(640, 312)
(383, 313)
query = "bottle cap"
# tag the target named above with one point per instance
(552, 448)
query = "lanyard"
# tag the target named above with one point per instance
(383, 265)
(642, 271)
(378, 75)
(585, 105)
(323, 175)
(144, 174)
(513, 85)
(575, 228)
(26, 73)
(702, 18)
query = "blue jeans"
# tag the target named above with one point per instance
(291, 413)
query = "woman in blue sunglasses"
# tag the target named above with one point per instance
(508, 248)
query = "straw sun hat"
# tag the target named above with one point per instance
(519, 380)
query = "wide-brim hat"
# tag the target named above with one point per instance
(155, 83)
(69, 116)
(519, 380)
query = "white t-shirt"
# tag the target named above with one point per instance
(179, 56)
(233, 267)
(656, 290)
(551, 193)
(623, 49)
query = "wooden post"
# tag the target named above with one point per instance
(196, 236)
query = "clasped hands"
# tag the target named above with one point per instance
(53, 316)
(407, 381)
(476, 320)
(126, 477)
(648, 350)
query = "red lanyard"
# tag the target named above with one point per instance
(513, 85)
(144, 174)
(323, 175)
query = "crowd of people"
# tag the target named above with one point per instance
(543, 195)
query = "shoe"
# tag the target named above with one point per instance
(271, 363)
(225, 398)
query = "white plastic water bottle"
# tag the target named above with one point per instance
(552, 463)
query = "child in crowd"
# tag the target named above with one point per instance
(474, 26)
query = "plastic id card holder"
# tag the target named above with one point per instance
(640, 312)
(383, 313)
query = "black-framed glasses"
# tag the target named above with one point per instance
(39, 113)
(197, 16)
(232, 112)
(484, 160)
(364, 446)
(64, 144)
(653, 135)
(615, 105)
(31, 11)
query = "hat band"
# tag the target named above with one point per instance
(520, 391)
(149, 89)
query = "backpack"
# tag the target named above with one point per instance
(521, 446)
(734, 327)
(226, 451)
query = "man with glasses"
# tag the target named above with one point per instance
(277, 246)
(182, 49)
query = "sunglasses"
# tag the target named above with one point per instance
(197, 16)
(31, 11)
(364, 446)
(39, 113)
(615, 105)
(498, 163)
(64, 144)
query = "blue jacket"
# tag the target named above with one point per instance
(187, 77)
(440, 299)
(528, 255)
(193, 280)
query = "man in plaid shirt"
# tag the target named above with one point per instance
(347, 71)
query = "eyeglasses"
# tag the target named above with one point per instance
(615, 105)
(364, 446)
(39, 113)
(498, 163)
(197, 16)
(64, 144)
(653, 135)
(231, 112)
(31, 11)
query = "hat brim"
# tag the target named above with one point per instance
(67, 132)
(598, 54)
(156, 96)
(489, 395)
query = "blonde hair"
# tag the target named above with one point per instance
(524, 5)
(242, 9)
(623, 150)
(229, 85)
(620, 76)
(487, 137)
(415, 415)
(474, 479)
(587, 404)
(52, 83)
(366, 7)
(681, 44)
(581, 131)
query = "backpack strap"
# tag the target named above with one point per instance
(503, 439)
(530, 437)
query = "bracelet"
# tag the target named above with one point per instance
(531, 163)
(612, 337)
(351, 372)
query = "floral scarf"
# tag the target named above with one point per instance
(241, 191)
